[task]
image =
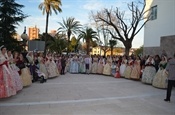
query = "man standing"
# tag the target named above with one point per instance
(171, 77)
(87, 62)
(63, 65)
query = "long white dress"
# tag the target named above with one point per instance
(107, 67)
(14, 70)
(74, 65)
(82, 67)
(52, 68)
(160, 78)
(128, 70)
(42, 66)
(149, 72)
(95, 65)
(123, 67)
(135, 74)
(101, 64)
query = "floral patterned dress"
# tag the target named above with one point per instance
(7, 82)
(160, 78)
(128, 70)
(100, 66)
(135, 74)
(107, 67)
(94, 65)
(52, 68)
(148, 73)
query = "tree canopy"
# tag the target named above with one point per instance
(11, 16)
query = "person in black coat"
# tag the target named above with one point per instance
(63, 64)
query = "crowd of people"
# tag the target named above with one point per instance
(18, 70)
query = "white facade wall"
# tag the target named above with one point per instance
(164, 25)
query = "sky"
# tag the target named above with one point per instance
(79, 9)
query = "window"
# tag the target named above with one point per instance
(153, 15)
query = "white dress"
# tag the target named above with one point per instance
(52, 68)
(123, 67)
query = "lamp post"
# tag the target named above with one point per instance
(25, 38)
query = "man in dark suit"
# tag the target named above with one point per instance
(171, 77)
(63, 64)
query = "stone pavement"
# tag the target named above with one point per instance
(80, 94)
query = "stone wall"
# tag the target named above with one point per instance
(167, 43)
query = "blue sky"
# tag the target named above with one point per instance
(76, 8)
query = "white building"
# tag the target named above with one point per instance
(160, 28)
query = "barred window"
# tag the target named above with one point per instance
(153, 13)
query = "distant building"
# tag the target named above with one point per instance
(159, 32)
(33, 33)
(53, 33)
(116, 51)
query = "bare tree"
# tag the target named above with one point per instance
(125, 29)
(102, 33)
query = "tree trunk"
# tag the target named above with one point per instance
(46, 31)
(88, 46)
(68, 43)
(105, 53)
(111, 51)
(128, 45)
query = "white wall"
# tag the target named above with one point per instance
(164, 25)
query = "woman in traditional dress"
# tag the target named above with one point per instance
(159, 80)
(67, 68)
(24, 71)
(30, 58)
(58, 62)
(101, 64)
(128, 70)
(82, 64)
(113, 68)
(117, 74)
(123, 66)
(135, 74)
(149, 71)
(7, 83)
(95, 64)
(42, 66)
(74, 65)
(107, 67)
(51, 67)
(14, 70)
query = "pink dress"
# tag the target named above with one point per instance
(7, 84)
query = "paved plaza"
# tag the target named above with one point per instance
(81, 94)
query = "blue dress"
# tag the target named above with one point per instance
(74, 66)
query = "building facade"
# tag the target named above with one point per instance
(159, 31)
(33, 33)
(116, 51)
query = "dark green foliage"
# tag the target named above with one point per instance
(10, 17)
(112, 43)
(139, 51)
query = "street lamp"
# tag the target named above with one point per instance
(25, 38)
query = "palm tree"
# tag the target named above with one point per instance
(112, 43)
(57, 45)
(47, 6)
(69, 26)
(88, 34)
